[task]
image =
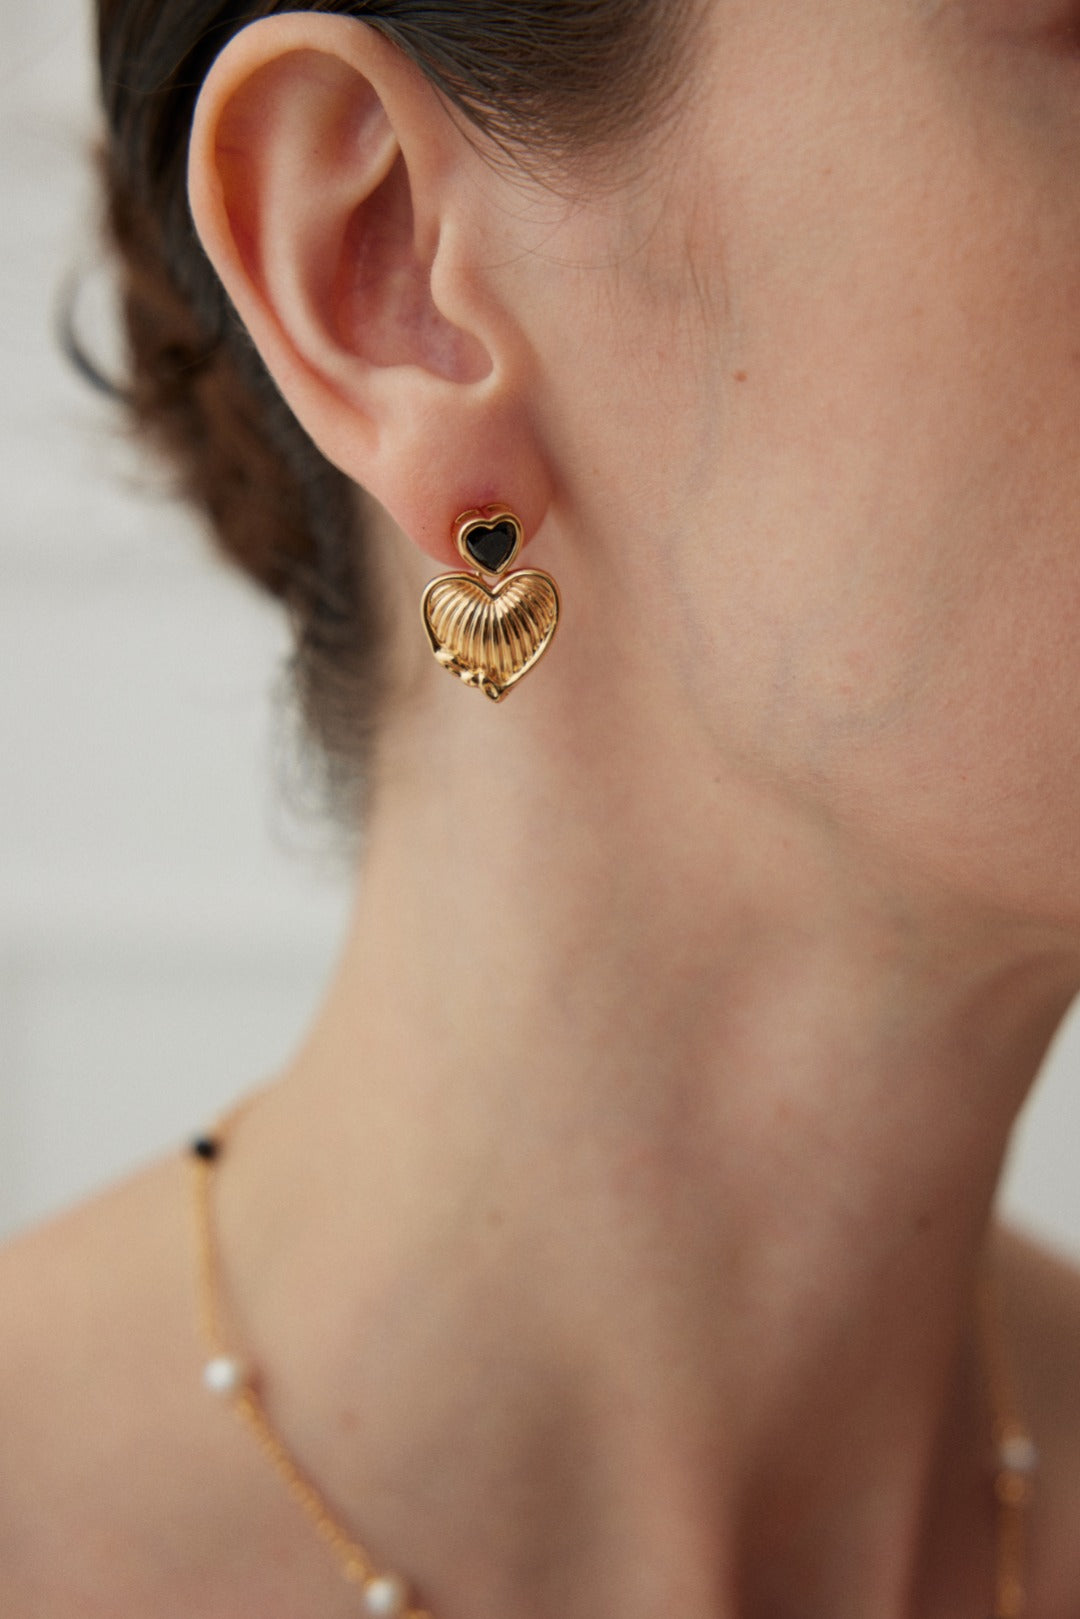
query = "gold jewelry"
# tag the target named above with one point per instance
(490, 636)
(382, 1593)
(385, 1595)
(1016, 1459)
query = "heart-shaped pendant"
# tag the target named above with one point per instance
(490, 638)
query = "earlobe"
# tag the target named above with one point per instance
(320, 177)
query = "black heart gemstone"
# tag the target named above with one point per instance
(491, 545)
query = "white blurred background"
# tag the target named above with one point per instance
(166, 924)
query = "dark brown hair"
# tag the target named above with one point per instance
(548, 80)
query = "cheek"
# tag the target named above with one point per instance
(889, 589)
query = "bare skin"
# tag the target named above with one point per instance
(128, 1490)
(610, 1247)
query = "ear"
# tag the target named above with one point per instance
(339, 202)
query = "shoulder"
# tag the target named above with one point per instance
(1041, 1288)
(76, 1286)
(125, 1490)
(91, 1334)
(1041, 1297)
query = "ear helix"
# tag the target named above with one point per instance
(490, 636)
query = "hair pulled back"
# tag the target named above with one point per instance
(549, 80)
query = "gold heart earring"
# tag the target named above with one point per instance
(490, 636)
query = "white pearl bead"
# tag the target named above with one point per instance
(1017, 1454)
(224, 1374)
(385, 1595)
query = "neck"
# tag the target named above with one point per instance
(611, 1245)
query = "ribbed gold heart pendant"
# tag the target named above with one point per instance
(490, 638)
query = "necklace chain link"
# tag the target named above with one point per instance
(385, 1594)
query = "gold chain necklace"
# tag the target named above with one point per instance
(385, 1595)
(1015, 1455)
